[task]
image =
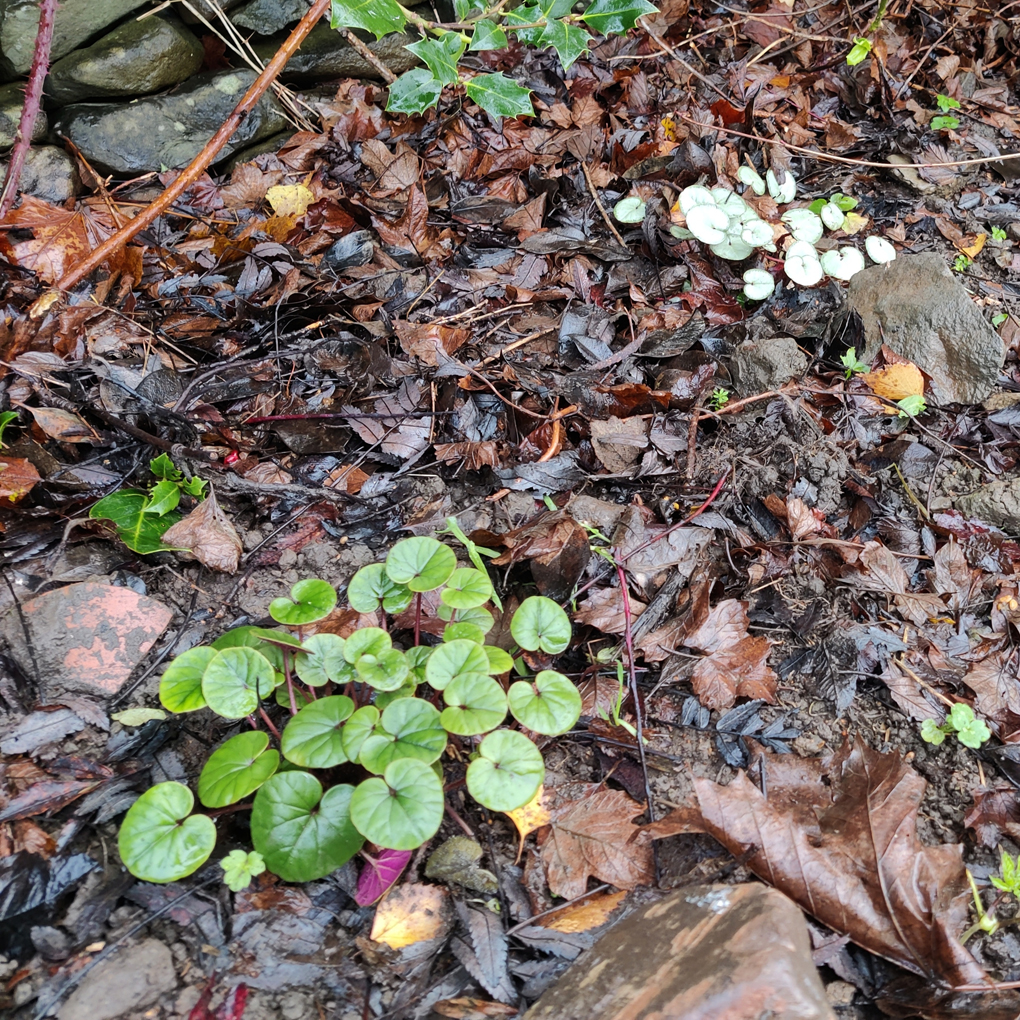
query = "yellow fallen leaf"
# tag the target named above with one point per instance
(585, 916)
(894, 382)
(290, 199)
(410, 913)
(532, 816)
(853, 222)
(973, 250)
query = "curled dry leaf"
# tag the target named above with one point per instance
(208, 535)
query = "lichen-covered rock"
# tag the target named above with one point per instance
(997, 503)
(269, 16)
(168, 131)
(12, 98)
(49, 173)
(135, 59)
(75, 21)
(921, 311)
(327, 54)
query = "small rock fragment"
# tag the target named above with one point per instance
(701, 953)
(12, 98)
(763, 365)
(49, 173)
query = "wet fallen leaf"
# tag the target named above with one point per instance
(838, 835)
(379, 874)
(603, 610)
(411, 913)
(208, 535)
(17, 477)
(29, 836)
(591, 838)
(531, 817)
(425, 340)
(473, 1009)
(590, 914)
(880, 571)
(63, 425)
(894, 382)
(995, 813)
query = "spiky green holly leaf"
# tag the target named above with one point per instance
(568, 41)
(614, 17)
(380, 17)
(487, 36)
(440, 55)
(500, 96)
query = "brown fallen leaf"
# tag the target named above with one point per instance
(894, 382)
(17, 477)
(592, 913)
(208, 535)
(411, 913)
(63, 425)
(878, 570)
(603, 610)
(838, 835)
(473, 1009)
(591, 837)
(425, 340)
(557, 547)
(736, 665)
(993, 814)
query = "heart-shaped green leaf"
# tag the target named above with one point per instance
(358, 727)
(371, 588)
(139, 531)
(310, 600)
(475, 704)
(417, 660)
(407, 689)
(464, 632)
(539, 623)
(158, 841)
(384, 672)
(302, 833)
(500, 662)
(467, 588)
(323, 660)
(180, 686)
(250, 637)
(507, 772)
(235, 680)
(550, 705)
(237, 769)
(452, 659)
(402, 809)
(313, 738)
(366, 641)
(423, 564)
(409, 728)
(480, 617)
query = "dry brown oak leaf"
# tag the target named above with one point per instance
(591, 837)
(838, 835)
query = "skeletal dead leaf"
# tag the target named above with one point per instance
(60, 237)
(17, 476)
(591, 838)
(411, 913)
(63, 425)
(531, 817)
(592, 913)
(485, 955)
(838, 835)
(399, 436)
(208, 535)
(894, 382)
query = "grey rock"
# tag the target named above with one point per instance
(48, 173)
(701, 953)
(138, 58)
(327, 54)
(919, 309)
(129, 980)
(75, 22)
(268, 16)
(168, 131)
(765, 364)
(997, 503)
(12, 99)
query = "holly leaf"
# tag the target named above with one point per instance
(380, 17)
(414, 91)
(568, 41)
(440, 55)
(487, 36)
(500, 96)
(608, 17)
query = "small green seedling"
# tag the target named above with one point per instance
(986, 920)
(945, 122)
(851, 364)
(998, 234)
(1010, 881)
(999, 319)
(239, 868)
(719, 399)
(969, 730)
(6, 417)
(962, 263)
(621, 692)
(912, 406)
(859, 51)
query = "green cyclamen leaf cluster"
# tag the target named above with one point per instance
(539, 23)
(969, 730)
(303, 830)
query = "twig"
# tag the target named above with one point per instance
(602, 208)
(33, 101)
(196, 167)
(387, 75)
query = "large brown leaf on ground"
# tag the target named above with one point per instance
(591, 837)
(207, 534)
(839, 836)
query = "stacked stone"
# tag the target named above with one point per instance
(129, 92)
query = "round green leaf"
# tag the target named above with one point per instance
(409, 728)
(283, 697)
(423, 564)
(367, 641)
(158, 840)
(371, 588)
(402, 809)
(417, 659)
(312, 738)
(452, 659)
(237, 769)
(478, 616)
(384, 672)
(499, 661)
(323, 660)
(507, 772)
(250, 637)
(539, 623)
(235, 680)
(408, 689)
(464, 632)
(467, 588)
(302, 833)
(358, 727)
(550, 705)
(475, 704)
(310, 600)
(180, 686)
